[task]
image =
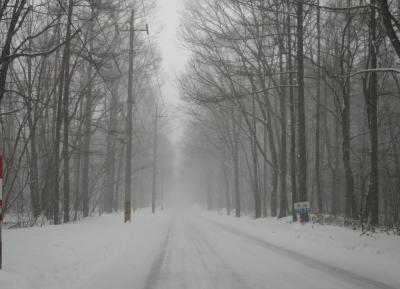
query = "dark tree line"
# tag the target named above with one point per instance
(298, 101)
(63, 93)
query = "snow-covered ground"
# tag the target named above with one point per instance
(78, 255)
(197, 250)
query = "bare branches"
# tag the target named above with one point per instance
(10, 58)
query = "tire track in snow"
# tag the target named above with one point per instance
(198, 262)
(154, 275)
(353, 278)
(206, 251)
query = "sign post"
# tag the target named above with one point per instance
(302, 208)
(1, 209)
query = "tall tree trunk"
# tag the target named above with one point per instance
(350, 202)
(235, 156)
(387, 18)
(274, 159)
(275, 171)
(57, 143)
(335, 186)
(67, 82)
(130, 101)
(33, 166)
(292, 117)
(226, 181)
(318, 114)
(87, 131)
(302, 158)
(154, 165)
(18, 7)
(396, 194)
(283, 156)
(265, 171)
(256, 190)
(332, 155)
(110, 158)
(372, 205)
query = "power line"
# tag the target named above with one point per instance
(152, 55)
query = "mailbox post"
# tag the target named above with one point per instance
(302, 208)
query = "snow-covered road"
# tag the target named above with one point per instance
(182, 249)
(202, 254)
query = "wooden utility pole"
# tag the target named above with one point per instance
(153, 192)
(130, 102)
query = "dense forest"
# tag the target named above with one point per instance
(79, 95)
(294, 101)
(284, 102)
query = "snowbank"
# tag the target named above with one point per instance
(375, 256)
(74, 255)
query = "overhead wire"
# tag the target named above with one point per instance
(109, 46)
(153, 56)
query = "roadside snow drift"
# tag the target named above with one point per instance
(77, 255)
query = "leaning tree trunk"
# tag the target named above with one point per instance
(387, 18)
(14, 25)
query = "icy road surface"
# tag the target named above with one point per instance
(179, 250)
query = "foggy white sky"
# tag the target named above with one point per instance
(173, 57)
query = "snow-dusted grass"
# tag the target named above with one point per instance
(76, 255)
(376, 256)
